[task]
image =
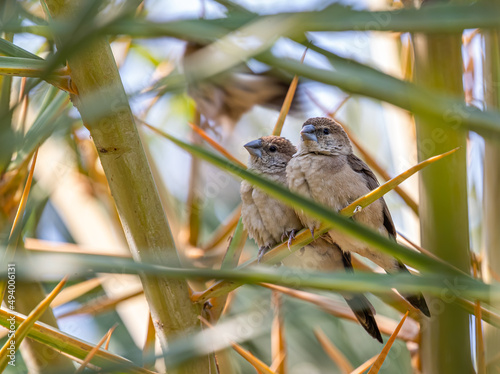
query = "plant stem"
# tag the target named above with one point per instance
(445, 343)
(491, 199)
(35, 354)
(38, 357)
(94, 71)
(195, 199)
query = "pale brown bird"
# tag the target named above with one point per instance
(225, 97)
(268, 221)
(326, 170)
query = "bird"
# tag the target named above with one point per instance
(225, 97)
(268, 221)
(326, 170)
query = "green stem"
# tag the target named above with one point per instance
(195, 198)
(450, 287)
(28, 294)
(359, 79)
(448, 18)
(491, 198)
(36, 354)
(46, 336)
(129, 177)
(446, 346)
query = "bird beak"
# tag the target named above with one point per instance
(308, 132)
(254, 148)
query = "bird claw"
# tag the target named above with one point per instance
(291, 236)
(207, 305)
(357, 209)
(312, 232)
(262, 252)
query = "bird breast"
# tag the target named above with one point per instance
(266, 218)
(331, 182)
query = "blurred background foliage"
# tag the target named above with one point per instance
(194, 70)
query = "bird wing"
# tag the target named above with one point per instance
(371, 181)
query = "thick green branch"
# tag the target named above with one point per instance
(443, 202)
(129, 177)
(491, 186)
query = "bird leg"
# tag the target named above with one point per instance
(312, 232)
(291, 236)
(262, 251)
(283, 236)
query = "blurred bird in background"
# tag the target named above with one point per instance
(326, 170)
(223, 98)
(268, 221)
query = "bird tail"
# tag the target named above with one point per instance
(365, 313)
(359, 304)
(417, 300)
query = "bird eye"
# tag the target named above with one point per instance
(273, 148)
(326, 131)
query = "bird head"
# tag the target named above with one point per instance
(324, 135)
(270, 153)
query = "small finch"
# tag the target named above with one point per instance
(268, 221)
(326, 170)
